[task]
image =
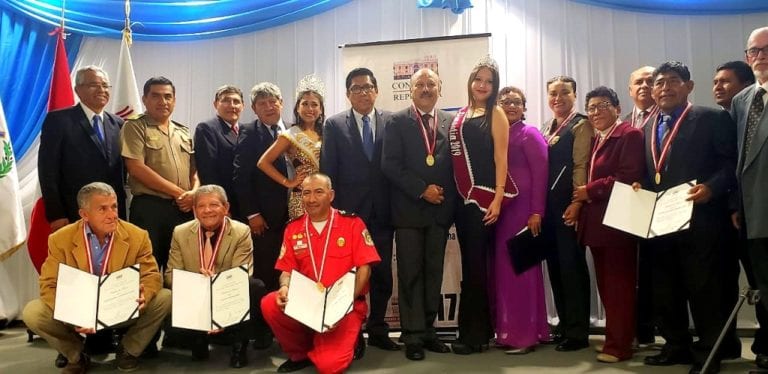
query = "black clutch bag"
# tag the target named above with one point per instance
(526, 250)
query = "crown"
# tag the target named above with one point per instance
(310, 82)
(487, 61)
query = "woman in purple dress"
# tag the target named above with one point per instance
(520, 314)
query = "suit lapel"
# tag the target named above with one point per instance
(226, 131)
(119, 253)
(380, 126)
(226, 246)
(85, 124)
(442, 129)
(191, 250)
(354, 133)
(111, 135)
(78, 248)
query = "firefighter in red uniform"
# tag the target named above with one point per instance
(323, 244)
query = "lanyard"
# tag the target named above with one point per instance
(598, 145)
(658, 160)
(319, 274)
(560, 126)
(105, 259)
(201, 245)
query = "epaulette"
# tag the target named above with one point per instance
(347, 214)
(295, 219)
(178, 124)
(136, 117)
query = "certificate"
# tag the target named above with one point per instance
(320, 309)
(209, 303)
(96, 302)
(648, 214)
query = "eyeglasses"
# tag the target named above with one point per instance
(599, 107)
(362, 89)
(512, 103)
(96, 86)
(754, 51)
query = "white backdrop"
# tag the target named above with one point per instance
(532, 40)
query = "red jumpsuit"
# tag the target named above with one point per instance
(350, 245)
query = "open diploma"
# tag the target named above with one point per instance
(319, 310)
(210, 303)
(648, 214)
(93, 302)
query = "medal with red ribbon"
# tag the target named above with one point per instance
(201, 244)
(658, 160)
(599, 142)
(89, 253)
(319, 274)
(429, 144)
(553, 134)
(651, 114)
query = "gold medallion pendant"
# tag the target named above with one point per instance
(430, 160)
(658, 178)
(340, 242)
(320, 287)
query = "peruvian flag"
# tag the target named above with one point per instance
(61, 96)
(126, 102)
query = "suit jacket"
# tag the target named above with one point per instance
(67, 246)
(236, 249)
(752, 169)
(215, 144)
(71, 156)
(360, 185)
(404, 163)
(704, 150)
(620, 158)
(255, 191)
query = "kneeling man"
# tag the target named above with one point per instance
(324, 244)
(85, 245)
(226, 244)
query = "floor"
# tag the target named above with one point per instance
(18, 356)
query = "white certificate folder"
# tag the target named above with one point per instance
(318, 309)
(649, 214)
(209, 303)
(96, 302)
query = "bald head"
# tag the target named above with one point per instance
(640, 83)
(425, 89)
(757, 53)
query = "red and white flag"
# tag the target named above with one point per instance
(126, 101)
(12, 219)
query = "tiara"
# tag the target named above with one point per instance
(487, 61)
(310, 82)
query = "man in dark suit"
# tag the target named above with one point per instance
(730, 78)
(80, 145)
(351, 157)
(640, 83)
(215, 141)
(686, 143)
(417, 161)
(263, 202)
(747, 109)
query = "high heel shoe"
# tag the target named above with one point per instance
(466, 349)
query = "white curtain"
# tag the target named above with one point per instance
(532, 41)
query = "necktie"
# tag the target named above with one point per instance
(207, 250)
(273, 129)
(235, 129)
(367, 137)
(97, 129)
(640, 117)
(755, 110)
(428, 125)
(663, 129)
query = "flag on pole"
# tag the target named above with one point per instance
(126, 101)
(11, 214)
(61, 96)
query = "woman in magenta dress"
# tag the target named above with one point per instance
(518, 307)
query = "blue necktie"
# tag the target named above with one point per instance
(663, 129)
(97, 129)
(367, 137)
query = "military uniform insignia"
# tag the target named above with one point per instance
(300, 244)
(282, 251)
(294, 236)
(367, 238)
(340, 242)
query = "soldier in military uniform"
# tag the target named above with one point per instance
(323, 244)
(158, 154)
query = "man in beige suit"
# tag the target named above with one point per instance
(210, 244)
(130, 245)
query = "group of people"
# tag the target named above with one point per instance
(338, 191)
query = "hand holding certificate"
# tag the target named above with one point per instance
(96, 302)
(320, 309)
(208, 303)
(648, 214)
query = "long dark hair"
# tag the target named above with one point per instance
(320, 119)
(491, 103)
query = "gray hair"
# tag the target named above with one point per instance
(80, 75)
(265, 90)
(325, 178)
(210, 189)
(93, 188)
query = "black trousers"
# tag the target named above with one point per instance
(693, 268)
(476, 242)
(159, 217)
(420, 256)
(646, 326)
(569, 277)
(266, 250)
(381, 278)
(757, 250)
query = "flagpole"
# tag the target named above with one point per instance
(61, 24)
(127, 29)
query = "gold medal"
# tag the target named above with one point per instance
(430, 160)
(320, 286)
(340, 242)
(553, 140)
(658, 178)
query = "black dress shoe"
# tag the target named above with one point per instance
(359, 347)
(289, 365)
(697, 368)
(239, 357)
(761, 361)
(61, 361)
(666, 358)
(383, 342)
(436, 346)
(568, 345)
(467, 349)
(554, 338)
(414, 352)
